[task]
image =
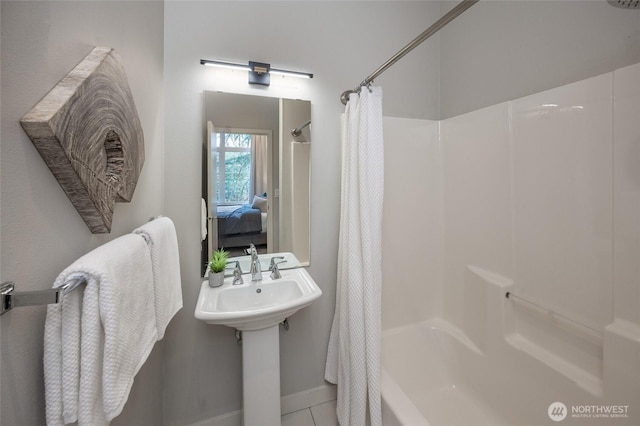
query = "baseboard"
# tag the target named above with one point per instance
(233, 418)
(288, 404)
(308, 398)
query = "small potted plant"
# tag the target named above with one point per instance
(217, 264)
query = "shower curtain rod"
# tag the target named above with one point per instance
(437, 26)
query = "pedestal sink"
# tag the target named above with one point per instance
(257, 309)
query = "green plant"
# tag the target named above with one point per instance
(218, 260)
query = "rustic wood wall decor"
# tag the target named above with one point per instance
(88, 132)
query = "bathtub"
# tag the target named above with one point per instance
(431, 374)
(493, 370)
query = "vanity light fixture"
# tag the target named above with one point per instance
(259, 73)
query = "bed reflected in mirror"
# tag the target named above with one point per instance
(255, 185)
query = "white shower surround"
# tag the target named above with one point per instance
(539, 196)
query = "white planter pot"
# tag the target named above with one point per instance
(216, 279)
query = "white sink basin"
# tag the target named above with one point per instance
(253, 306)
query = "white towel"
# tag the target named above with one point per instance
(62, 373)
(105, 335)
(53, 365)
(160, 235)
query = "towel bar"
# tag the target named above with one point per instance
(10, 299)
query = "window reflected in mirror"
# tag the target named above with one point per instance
(235, 167)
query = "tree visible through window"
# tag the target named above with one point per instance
(233, 168)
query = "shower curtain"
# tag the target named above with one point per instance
(353, 356)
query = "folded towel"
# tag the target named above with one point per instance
(108, 333)
(160, 235)
(71, 312)
(52, 361)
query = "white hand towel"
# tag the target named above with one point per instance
(71, 312)
(160, 235)
(114, 332)
(52, 361)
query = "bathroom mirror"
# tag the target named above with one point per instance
(255, 168)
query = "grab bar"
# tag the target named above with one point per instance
(10, 299)
(593, 334)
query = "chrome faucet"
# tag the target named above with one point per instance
(256, 269)
(275, 272)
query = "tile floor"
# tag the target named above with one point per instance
(319, 415)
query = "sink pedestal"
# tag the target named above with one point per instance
(261, 376)
(257, 310)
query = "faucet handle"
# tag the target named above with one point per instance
(275, 271)
(237, 274)
(274, 263)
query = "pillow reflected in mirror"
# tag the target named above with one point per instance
(259, 203)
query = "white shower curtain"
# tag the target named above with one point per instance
(353, 356)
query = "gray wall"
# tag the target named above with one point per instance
(42, 233)
(503, 50)
(341, 43)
